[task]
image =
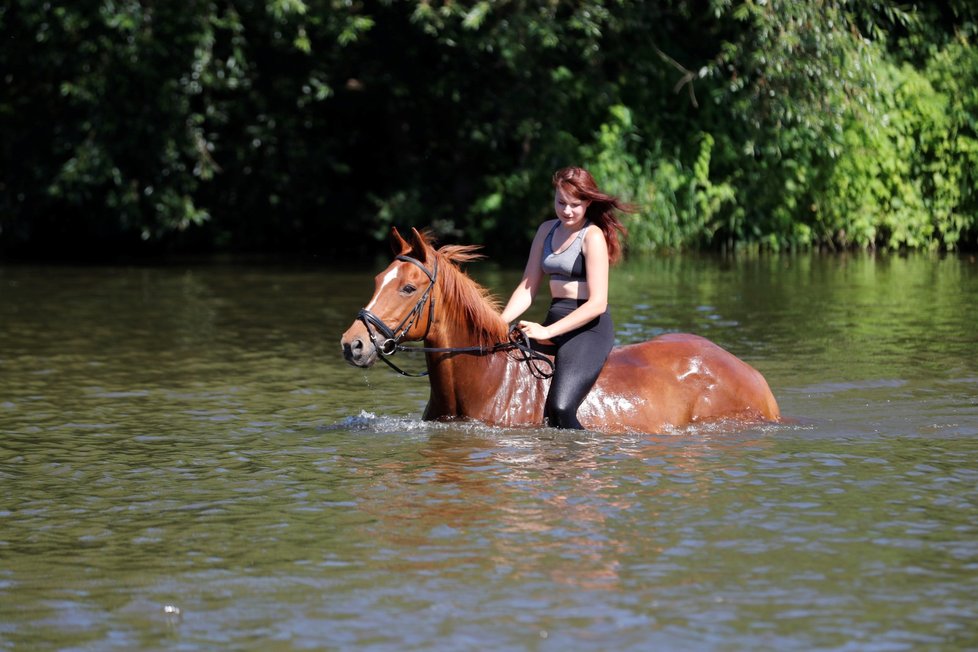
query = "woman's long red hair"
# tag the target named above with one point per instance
(603, 210)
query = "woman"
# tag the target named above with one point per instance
(575, 250)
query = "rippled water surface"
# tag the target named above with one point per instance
(186, 463)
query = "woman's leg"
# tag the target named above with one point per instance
(580, 356)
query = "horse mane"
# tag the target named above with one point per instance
(465, 301)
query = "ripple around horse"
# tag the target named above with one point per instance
(477, 372)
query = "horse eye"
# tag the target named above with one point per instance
(408, 289)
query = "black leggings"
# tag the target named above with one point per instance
(580, 354)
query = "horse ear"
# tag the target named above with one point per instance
(419, 244)
(399, 245)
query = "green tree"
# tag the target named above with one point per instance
(317, 124)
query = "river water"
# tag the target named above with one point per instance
(186, 463)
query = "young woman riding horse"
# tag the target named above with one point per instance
(575, 250)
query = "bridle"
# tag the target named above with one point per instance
(393, 337)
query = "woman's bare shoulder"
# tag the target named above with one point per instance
(594, 238)
(544, 229)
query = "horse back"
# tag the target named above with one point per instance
(674, 380)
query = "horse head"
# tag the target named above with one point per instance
(401, 307)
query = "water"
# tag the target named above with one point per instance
(186, 463)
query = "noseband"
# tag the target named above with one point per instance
(394, 336)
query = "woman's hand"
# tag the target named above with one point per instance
(534, 331)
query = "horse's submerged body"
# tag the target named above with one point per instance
(671, 381)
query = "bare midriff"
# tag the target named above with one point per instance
(569, 290)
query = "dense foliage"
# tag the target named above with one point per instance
(314, 125)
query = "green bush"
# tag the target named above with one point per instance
(316, 124)
(679, 206)
(906, 174)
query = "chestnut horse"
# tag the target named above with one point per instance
(477, 372)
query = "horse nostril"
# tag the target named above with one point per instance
(353, 351)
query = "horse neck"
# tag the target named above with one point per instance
(444, 335)
(467, 383)
(464, 315)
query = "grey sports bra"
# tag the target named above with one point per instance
(568, 265)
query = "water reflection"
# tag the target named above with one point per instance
(663, 522)
(544, 501)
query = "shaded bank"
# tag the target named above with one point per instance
(273, 125)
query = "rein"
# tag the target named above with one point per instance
(540, 365)
(394, 336)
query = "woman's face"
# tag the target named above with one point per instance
(570, 210)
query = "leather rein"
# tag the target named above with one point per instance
(393, 337)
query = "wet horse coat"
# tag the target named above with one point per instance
(671, 381)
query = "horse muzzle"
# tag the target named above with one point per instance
(358, 349)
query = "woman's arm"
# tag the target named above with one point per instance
(526, 291)
(596, 261)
